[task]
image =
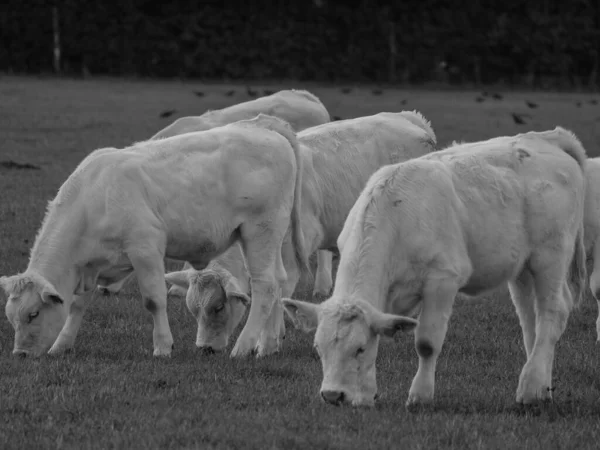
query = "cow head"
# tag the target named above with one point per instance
(215, 300)
(347, 340)
(35, 310)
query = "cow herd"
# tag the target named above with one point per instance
(246, 194)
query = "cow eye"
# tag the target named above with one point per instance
(219, 308)
(33, 315)
(360, 351)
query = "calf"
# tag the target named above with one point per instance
(301, 109)
(189, 197)
(465, 219)
(338, 159)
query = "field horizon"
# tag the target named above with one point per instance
(111, 393)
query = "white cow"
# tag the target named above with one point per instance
(338, 159)
(592, 228)
(301, 109)
(189, 197)
(465, 219)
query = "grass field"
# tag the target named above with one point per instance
(111, 392)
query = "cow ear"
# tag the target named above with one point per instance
(389, 324)
(233, 292)
(179, 278)
(304, 315)
(50, 296)
(6, 283)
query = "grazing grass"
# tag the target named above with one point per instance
(111, 392)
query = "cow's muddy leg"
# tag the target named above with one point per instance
(66, 338)
(554, 303)
(323, 279)
(261, 244)
(595, 284)
(150, 272)
(522, 293)
(438, 299)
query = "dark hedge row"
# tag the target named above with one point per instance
(478, 41)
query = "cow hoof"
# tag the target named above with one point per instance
(57, 350)
(242, 348)
(164, 352)
(417, 401)
(533, 386)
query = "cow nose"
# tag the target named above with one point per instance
(207, 350)
(20, 353)
(333, 397)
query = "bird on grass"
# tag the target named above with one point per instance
(593, 102)
(377, 91)
(168, 113)
(346, 90)
(532, 105)
(518, 118)
(230, 93)
(337, 118)
(497, 96)
(479, 99)
(578, 104)
(199, 93)
(268, 92)
(403, 102)
(250, 92)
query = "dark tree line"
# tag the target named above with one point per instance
(481, 41)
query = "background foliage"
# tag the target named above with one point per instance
(546, 43)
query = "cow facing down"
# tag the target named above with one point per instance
(301, 109)
(465, 219)
(189, 198)
(338, 159)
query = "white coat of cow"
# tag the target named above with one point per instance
(189, 197)
(465, 219)
(592, 228)
(338, 159)
(301, 109)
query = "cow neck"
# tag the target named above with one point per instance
(52, 254)
(366, 277)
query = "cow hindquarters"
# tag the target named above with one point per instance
(66, 339)
(438, 299)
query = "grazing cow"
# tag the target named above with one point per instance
(301, 109)
(338, 159)
(592, 228)
(188, 197)
(465, 219)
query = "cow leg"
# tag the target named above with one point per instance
(293, 276)
(595, 284)
(438, 299)
(66, 338)
(522, 293)
(274, 332)
(553, 304)
(150, 273)
(260, 245)
(323, 279)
